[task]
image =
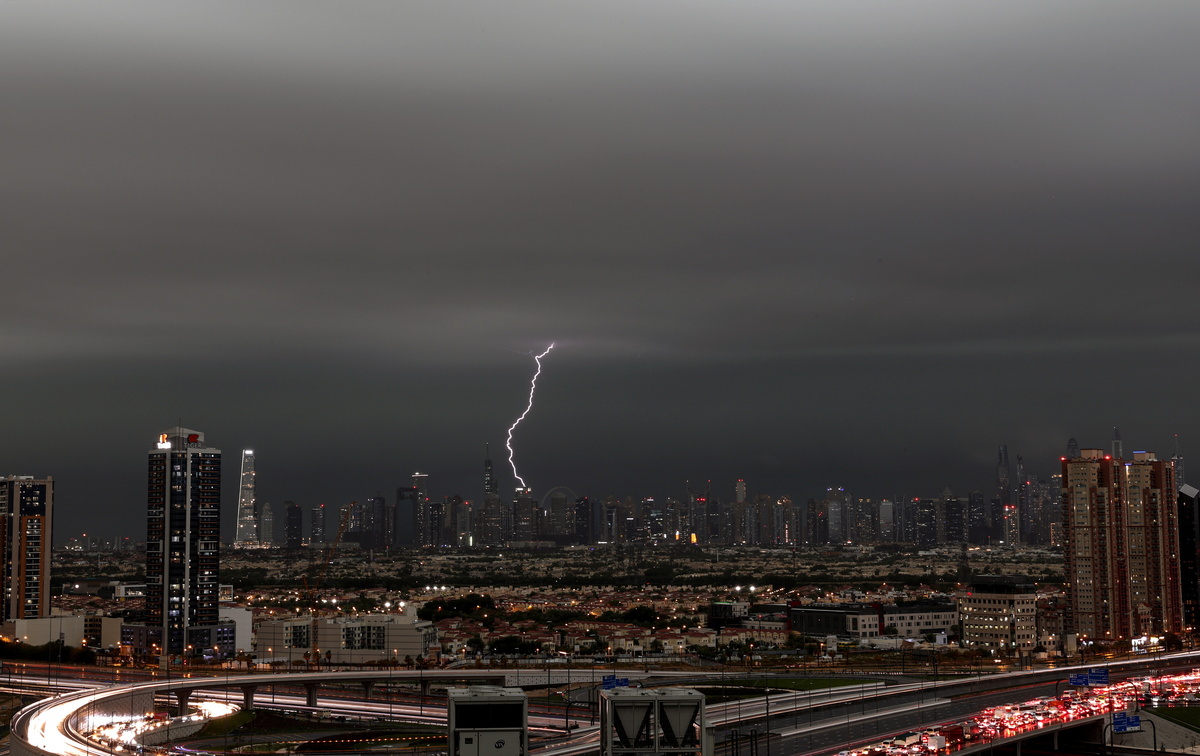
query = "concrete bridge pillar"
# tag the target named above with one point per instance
(367, 685)
(310, 693)
(181, 699)
(248, 697)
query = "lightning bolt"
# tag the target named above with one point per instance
(532, 387)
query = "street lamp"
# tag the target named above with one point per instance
(391, 670)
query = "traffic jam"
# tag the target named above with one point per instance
(1080, 701)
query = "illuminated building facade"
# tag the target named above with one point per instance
(426, 523)
(999, 612)
(490, 486)
(183, 541)
(1121, 527)
(247, 517)
(26, 516)
(1189, 553)
(316, 532)
(525, 515)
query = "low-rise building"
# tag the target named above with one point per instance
(723, 613)
(1000, 612)
(38, 631)
(913, 620)
(820, 620)
(361, 639)
(866, 621)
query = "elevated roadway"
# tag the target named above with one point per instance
(834, 719)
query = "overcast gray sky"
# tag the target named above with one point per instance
(809, 244)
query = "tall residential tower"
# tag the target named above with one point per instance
(26, 516)
(183, 531)
(1121, 523)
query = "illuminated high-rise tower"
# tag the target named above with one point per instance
(1025, 514)
(1122, 526)
(524, 515)
(423, 517)
(490, 487)
(1189, 553)
(26, 517)
(1004, 510)
(183, 535)
(316, 533)
(247, 517)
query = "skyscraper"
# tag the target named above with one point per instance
(435, 521)
(887, 513)
(1121, 523)
(927, 519)
(494, 522)
(375, 531)
(1024, 500)
(524, 517)
(979, 521)
(461, 527)
(816, 522)
(422, 513)
(350, 519)
(584, 524)
(183, 540)
(1189, 553)
(293, 525)
(837, 504)
(1003, 479)
(490, 487)
(266, 524)
(247, 517)
(953, 518)
(404, 532)
(26, 519)
(316, 533)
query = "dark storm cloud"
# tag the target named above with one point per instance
(801, 243)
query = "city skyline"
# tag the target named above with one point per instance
(1027, 515)
(801, 245)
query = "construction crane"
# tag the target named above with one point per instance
(310, 592)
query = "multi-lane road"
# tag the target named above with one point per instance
(781, 724)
